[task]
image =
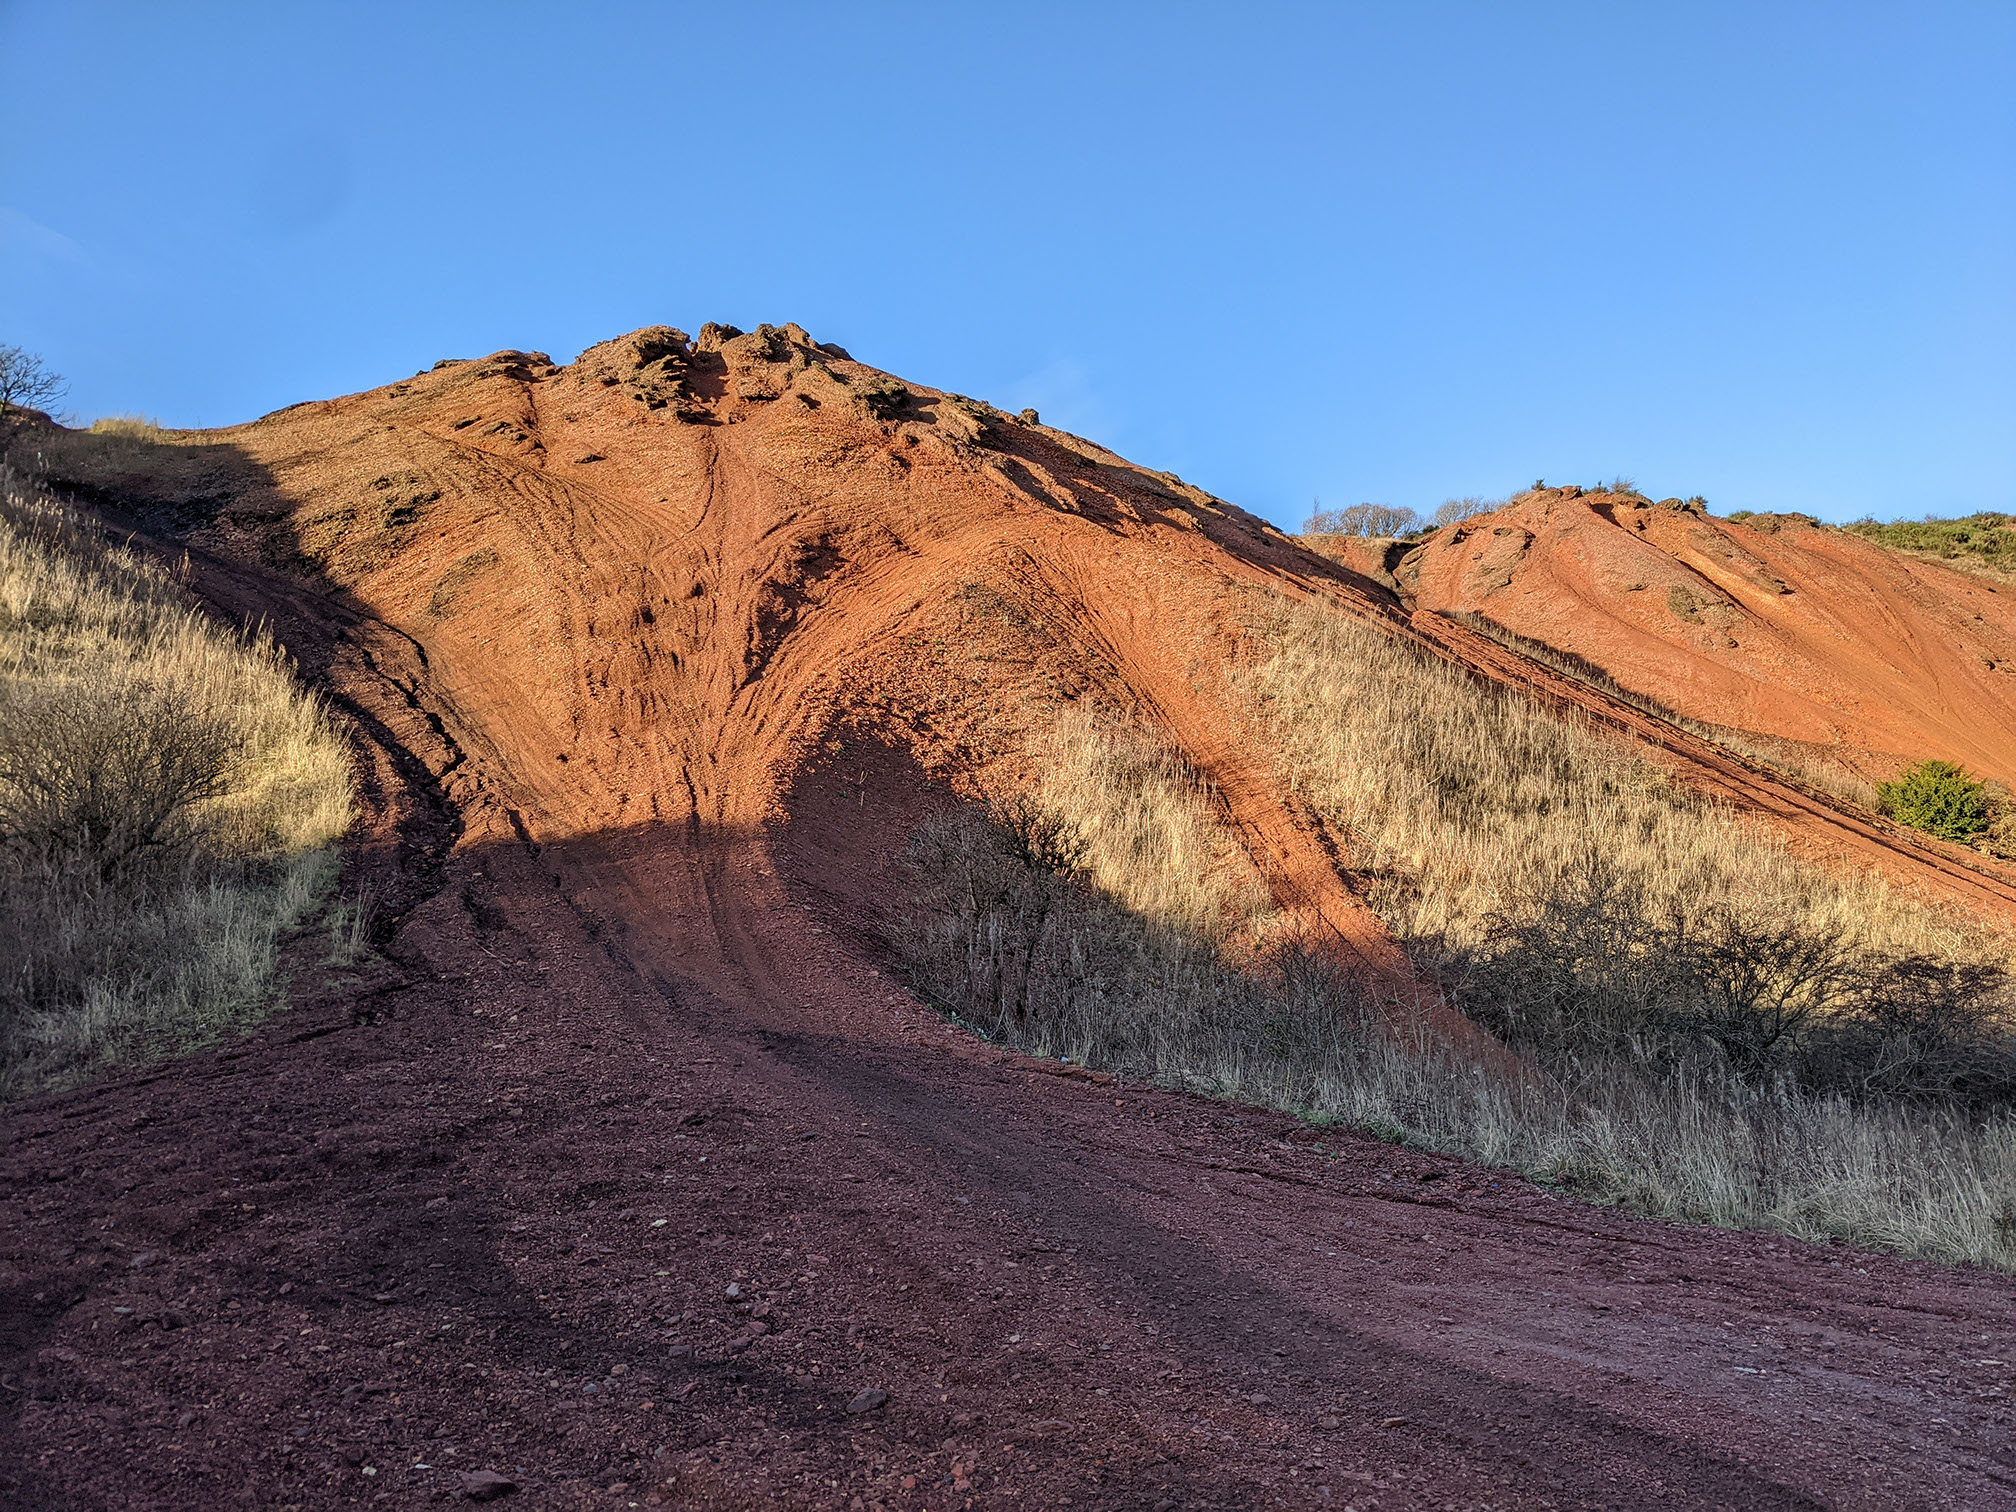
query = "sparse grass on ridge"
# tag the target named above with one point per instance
(169, 801)
(130, 427)
(1542, 873)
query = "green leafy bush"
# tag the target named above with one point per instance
(1939, 798)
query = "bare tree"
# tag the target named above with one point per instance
(1362, 520)
(25, 381)
(1455, 511)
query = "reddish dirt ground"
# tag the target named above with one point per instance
(627, 1167)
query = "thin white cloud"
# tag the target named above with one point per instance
(1062, 393)
(23, 233)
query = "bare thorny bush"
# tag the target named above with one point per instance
(168, 798)
(1014, 937)
(1726, 1035)
(105, 776)
(1593, 975)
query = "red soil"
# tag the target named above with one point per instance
(1772, 624)
(653, 660)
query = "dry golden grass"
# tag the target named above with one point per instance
(1790, 758)
(113, 958)
(1152, 841)
(130, 427)
(1464, 799)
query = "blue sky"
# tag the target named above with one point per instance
(1761, 252)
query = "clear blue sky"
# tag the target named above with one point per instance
(1762, 252)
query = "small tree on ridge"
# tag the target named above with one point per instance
(1362, 520)
(25, 381)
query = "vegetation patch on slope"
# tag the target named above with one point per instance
(1979, 540)
(1803, 764)
(1718, 1032)
(169, 802)
(1940, 798)
(1150, 837)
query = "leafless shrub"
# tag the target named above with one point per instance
(1455, 511)
(1596, 973)
(1362, 520)
(25, 381)
(112, 770)
(1038, 838)
(1042, 959)
(1925, 1032)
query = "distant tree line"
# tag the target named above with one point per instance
(1388, 520)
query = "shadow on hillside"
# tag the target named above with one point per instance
(155, 482)
(1121, 497)
(177, 498)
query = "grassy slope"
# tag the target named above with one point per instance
(110, 963)
(1469, 807)
(1979, 540)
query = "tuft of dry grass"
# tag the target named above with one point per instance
(169, 801)
(131, 428)
(1152, 838)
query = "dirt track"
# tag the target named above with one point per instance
(1070, 1290)
(630, 1046)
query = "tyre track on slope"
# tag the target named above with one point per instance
(1801, 813)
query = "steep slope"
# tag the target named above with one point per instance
(646, 584)
(1771, 624)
